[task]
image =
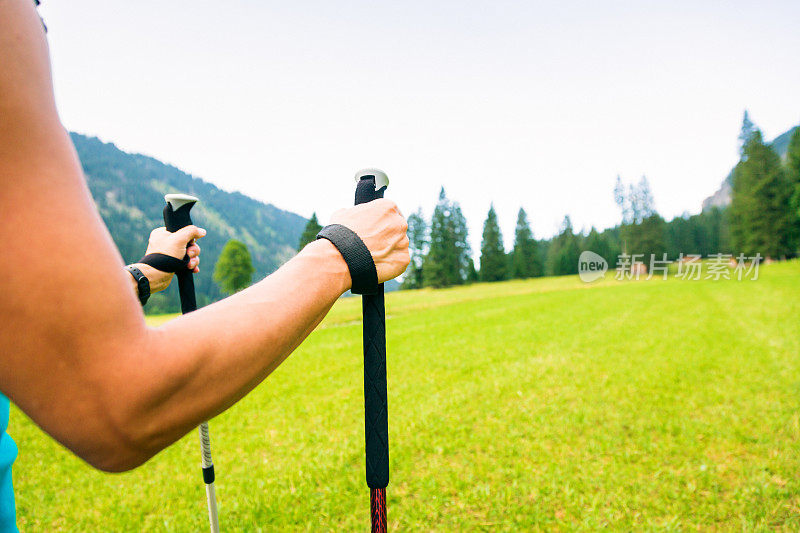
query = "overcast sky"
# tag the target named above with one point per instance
(522, 103)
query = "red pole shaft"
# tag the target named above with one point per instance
(377, 505)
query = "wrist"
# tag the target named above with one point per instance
(329, 261)
(142, 288)
(158, 280)
(357, 257)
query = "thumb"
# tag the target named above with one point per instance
(188, 233)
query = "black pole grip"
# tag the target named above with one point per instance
(376, 422)
(175, 219)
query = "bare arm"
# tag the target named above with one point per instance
(77, 356)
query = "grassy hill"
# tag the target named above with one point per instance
(526, 405)
(129, 189)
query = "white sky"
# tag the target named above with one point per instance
(521, 103)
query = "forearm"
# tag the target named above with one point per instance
(200, 364)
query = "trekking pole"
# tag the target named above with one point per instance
(176, 216)
(371, 185)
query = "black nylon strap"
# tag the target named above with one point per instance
(356, 255)
(164, 263)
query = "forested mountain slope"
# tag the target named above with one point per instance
(129, 192)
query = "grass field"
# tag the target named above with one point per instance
(534, 405)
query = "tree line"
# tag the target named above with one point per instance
(763, 217)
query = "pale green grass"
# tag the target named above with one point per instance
(536, 405)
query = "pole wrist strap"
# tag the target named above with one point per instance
(164, 263)
(356, 255)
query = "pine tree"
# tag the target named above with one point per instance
(793, 158)
(234, 269)
(310, 233)
(564, 251)
(637, 203)
(598, 243)
(646, 206)
(761, 220)
(463, 251)
(642, 229)
(493, 254)
(747, 131)
(447, 260)
(621, 200)
(417, 245)
(793, 175)
(712, 232)
(680, 237)
(648, 238)
(472, 273)
(524, 261)
(438, 265)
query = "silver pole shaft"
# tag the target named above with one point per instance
(212, 508)
(211, 496)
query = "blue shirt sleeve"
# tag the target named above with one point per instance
(8, 452)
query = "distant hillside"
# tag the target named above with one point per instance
(722, 197)
(129, 192)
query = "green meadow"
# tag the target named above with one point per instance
(545, 404)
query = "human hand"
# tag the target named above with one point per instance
(177, 244)
(383, 229)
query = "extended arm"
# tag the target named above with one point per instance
(77, 355)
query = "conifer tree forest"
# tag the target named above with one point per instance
(763, 217)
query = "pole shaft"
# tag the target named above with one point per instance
(377, 505)
(213, 516)
(175, 220)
